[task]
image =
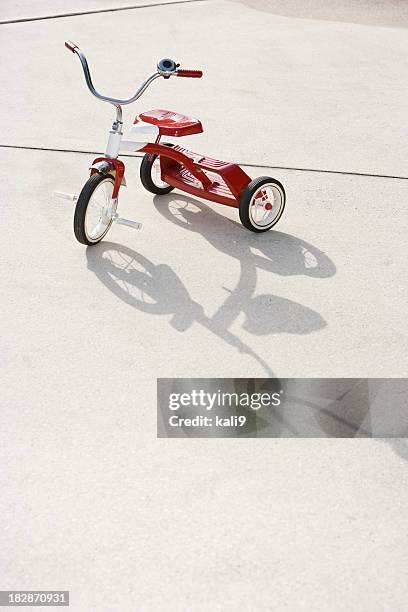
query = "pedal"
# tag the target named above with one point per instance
(128, 222)
(65, 196)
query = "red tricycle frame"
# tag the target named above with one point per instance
(260, 201)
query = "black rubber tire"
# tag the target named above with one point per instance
(245, 199)
(146, 173)
(82, 205)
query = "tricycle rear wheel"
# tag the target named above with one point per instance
(150, 174)
(261, 204)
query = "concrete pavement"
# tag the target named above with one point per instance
(288, 84)
(92, 501)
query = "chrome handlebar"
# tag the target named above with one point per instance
(116, 101)
(93, 91)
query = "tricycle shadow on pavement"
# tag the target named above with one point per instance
(272, 251)
(157, 289)
(400, 447)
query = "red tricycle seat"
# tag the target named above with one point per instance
(170, 123)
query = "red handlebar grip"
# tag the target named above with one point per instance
(71, 45)
(193, 74)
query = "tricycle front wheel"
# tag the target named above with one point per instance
(261, 204)
(92, 218)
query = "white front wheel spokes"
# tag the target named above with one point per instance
(99, 211)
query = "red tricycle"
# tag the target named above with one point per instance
(166, 166)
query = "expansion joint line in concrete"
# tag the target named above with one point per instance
(245, 165)
(97, 11)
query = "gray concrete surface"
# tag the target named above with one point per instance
(287, 81)
(11, 11)
(91, 500)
